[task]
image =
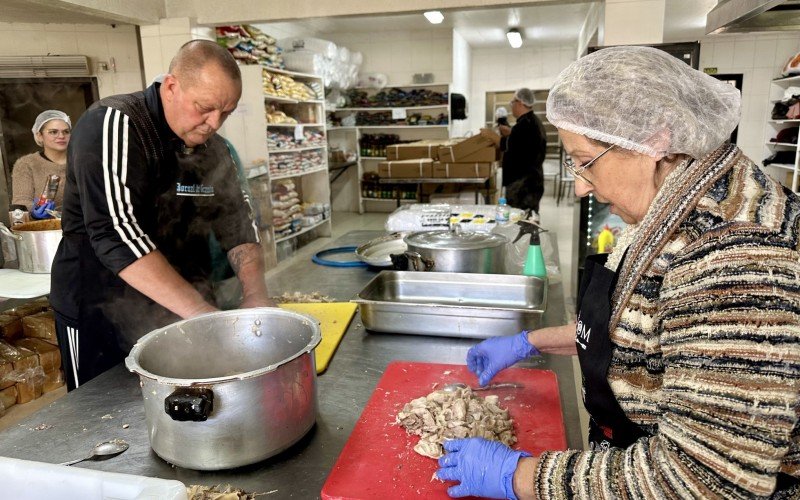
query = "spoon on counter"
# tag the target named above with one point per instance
(106, 449)
(504, 385)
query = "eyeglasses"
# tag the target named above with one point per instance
(56, 133)
(578, 171)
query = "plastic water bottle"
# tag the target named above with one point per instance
(502, 213)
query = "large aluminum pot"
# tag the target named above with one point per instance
(230, 388)
(457, 251)
(36, 243)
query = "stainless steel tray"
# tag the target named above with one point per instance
(452, 304)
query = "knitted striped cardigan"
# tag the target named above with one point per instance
(706, 333)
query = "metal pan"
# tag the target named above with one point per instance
(468, 305)
(376, 252)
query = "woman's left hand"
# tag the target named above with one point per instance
(483, 468)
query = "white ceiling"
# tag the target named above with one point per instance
(543, 24)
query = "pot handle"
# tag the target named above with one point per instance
(6, 231)
(189, 404)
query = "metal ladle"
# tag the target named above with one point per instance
(105, 449)
(458, 385)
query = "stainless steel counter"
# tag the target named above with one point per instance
(98, 410)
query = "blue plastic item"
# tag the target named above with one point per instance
(318, 258)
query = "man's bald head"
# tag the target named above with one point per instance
(195, 55)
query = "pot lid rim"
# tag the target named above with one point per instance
(450, 240)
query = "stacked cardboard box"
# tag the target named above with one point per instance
(415, 150)
(30, 361)
(406, 169)
(473, 157)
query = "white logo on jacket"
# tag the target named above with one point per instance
(193, 190)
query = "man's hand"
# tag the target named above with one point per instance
(505, 130)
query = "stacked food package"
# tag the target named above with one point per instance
(250, 45)
(287, 212)
(395, 97)
(281, 140)
(296, 163)
(30, 361)
(280, 85)
(337, 66)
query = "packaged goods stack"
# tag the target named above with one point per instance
(287, 211)
(281, 140)
(250, 45)
(30, 361)
(281, 164)
(280, 85)
(337, 66)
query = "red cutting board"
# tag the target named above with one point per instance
(379, 461)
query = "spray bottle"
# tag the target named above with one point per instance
(534, 261)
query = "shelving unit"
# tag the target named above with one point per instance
(348, 138)
(248, 130)
(780, 170)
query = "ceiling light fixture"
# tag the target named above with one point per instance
(434, 16)
(514, 38)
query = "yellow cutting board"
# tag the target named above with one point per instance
(334, 318)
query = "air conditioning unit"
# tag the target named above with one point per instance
(43, 66)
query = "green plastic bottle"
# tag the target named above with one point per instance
(534, 259)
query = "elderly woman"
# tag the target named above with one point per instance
(31, 172)
(688, 335)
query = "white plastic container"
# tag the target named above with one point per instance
(41, 481)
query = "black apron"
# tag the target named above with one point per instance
(608, 425)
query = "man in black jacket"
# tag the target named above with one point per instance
(523, 147)
(148, 182)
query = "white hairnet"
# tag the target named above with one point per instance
(501, 112)
(646, 100)
(525, 96)
(46, 116)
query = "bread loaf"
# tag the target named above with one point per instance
(49, 355)
(41, 326)
(10, 327)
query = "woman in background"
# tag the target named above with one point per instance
(51, 131)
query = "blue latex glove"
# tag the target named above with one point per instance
(492, 355)
(483, 468)
(40, 212)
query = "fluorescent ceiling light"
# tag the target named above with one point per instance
(514, 38)
(434, 16)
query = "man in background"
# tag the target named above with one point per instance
(148, 183)
(524, 146)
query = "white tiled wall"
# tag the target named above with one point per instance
(509, 69)
(759, 57)
(100, 42)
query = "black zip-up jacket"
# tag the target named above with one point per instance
(132, 188)
(524, 151)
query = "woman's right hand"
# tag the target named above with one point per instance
(493, 355)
